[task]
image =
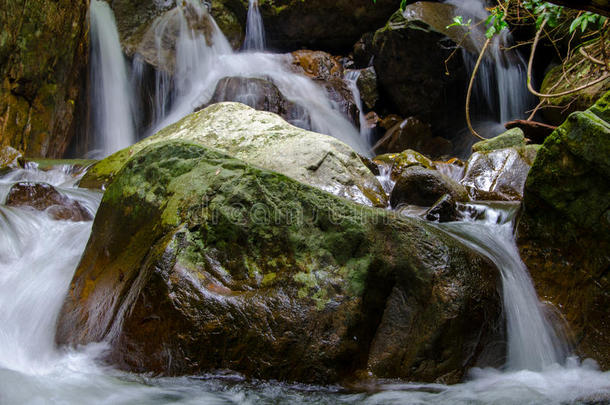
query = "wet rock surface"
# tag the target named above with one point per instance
(10, 158)
(499, 174)
(198, 261)
(259, 94)
(44, 197)
(43, 60)
(423, 187)
(263, 139)
(563, 232)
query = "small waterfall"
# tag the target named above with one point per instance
(533, 343)
(255, 29)
(500, 92)
(351, 77)
(204, 57)
(113, 124)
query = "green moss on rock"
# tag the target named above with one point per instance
(563, 232)
(213, 263)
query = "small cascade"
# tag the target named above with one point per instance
(533, 342)
(500, 93)
(38, 256)
(255, 29)
(111, 105)
(204, 56)
(351, 77)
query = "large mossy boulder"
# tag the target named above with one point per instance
(565, 227)
(198, 261)
(265, 140)
(410, 54)
(43, 59)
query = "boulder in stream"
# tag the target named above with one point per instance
(564, 230)
(499, 174)
(44, 197)
(423, 187)
(199, 261)
(265, 140)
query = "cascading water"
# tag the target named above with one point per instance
(500, 92)
(112, 117)
(201, 61)
(533, 343)
(351, 77)
(255, 29)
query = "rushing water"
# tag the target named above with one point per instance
(351, 77)
(201, 62)
(255, 30)
(533, 342)
(112, 118)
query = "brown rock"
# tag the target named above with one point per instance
(44, 197)
(424, 187)
(43, 66)
(414, 134)
(10, 158)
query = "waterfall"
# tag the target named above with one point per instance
(533, 343)
(351, 77)
(255, 30)
(111, 105)
(202, 61)
(500, 93)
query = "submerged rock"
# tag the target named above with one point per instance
(263, 139)
(443, 210)
(199, 261)
(259, 94)
(44, 197)
(565, 226)
(423, 187)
